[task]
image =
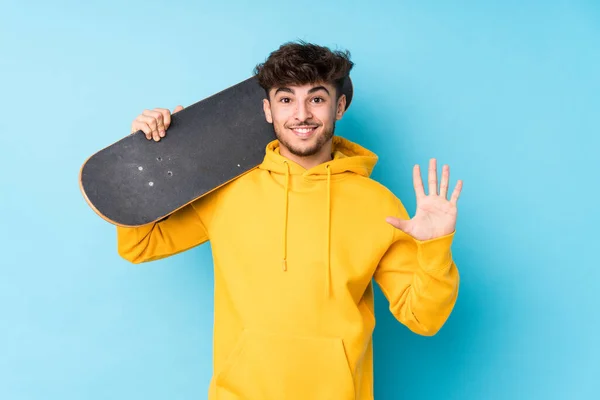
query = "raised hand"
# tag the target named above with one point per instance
(435, 215)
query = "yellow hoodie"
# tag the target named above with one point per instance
(294, 254)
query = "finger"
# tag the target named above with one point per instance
(456, 192)
(154, 123)
(159, 121)
(166, 117)
(175, 110)
(418, 182)
(432, 179)
(444, 183)
(135, 126)
(141, 126)
(151, 121)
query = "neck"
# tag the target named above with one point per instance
(308, 162)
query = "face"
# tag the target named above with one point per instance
(304, 116)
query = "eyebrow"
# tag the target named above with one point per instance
(312, 90)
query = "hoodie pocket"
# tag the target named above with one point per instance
(266, 366)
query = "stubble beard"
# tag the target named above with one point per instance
(321, 140)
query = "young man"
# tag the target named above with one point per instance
(297, 241)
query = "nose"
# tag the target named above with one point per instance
(303, 111)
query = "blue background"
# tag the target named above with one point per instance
(506, 93)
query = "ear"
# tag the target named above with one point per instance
(341, 107)
(267, 110)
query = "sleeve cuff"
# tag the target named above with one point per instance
(435, 254)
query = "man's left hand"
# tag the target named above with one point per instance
(435, 215)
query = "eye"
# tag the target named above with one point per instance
(285, 100)
(318, 99)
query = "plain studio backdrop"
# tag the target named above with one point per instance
(506, 93)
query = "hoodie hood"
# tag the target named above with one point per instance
(348, 157)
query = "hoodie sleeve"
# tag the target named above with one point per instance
(180, 231)
(419, 279)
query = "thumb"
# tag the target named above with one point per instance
(177, 109)
(398, 223)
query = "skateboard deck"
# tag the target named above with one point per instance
(136, 181)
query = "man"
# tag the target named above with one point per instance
(297, 241)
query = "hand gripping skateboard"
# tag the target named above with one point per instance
(136, 181)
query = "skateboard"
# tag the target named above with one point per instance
(136, 181)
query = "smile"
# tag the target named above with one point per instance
(304, 132)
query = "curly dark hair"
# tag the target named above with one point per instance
(299, 63)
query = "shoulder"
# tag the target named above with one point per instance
(371, 188)
(206, 205)
(247, 180)
(368, 192)
(245, 183)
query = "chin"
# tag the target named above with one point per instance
(305, 148)
(301, 149)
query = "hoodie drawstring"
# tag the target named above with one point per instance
(328, 263)
(285, 219)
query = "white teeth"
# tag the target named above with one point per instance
(306, 130)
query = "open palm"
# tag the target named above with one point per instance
(435, 215)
